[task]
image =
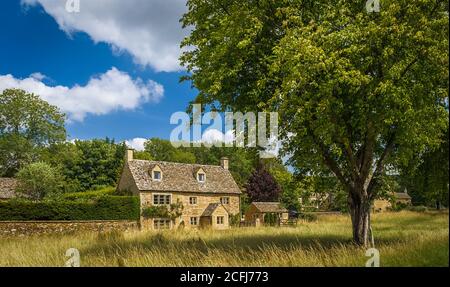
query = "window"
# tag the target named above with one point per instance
(161, 223)
(201, 177)
(192, 200)
(225, 200)
(156, 175)
(219, 219)
(194, 221)
(161, 199)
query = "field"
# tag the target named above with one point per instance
(403, 239)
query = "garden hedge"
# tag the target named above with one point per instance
(103, 208)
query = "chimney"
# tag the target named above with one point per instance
(129, 155)
(224, 162)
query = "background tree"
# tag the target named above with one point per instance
(27, 124)
(262, 186)
(38, 180)
(355, 91)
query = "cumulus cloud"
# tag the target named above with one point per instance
(111, 91)
(148, 29)
(136, 143)
(215, 136)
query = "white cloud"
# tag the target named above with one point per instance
(148, 29)
(213, 135)
(136, 143)
(111, 91)
(38, 76)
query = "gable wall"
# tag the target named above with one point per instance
(127, 182)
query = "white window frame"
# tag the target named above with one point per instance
(153, 175)
(195, 219)
(161, 194)
(222, 220)
(225, 200)
(198, 177)
(195, 200)
(158, 226)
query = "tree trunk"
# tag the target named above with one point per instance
(360, 214)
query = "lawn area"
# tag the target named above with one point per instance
(403, 239)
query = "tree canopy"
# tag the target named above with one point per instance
(356, 92)
(27, 123)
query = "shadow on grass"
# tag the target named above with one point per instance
(110, 245)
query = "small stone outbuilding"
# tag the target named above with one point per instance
(259, 211)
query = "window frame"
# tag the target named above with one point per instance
(153, 175)
(157, 223)
(195, 219)
(194, 199)
(222, 199)
(221, 221)
(164, 201)
(204, 177)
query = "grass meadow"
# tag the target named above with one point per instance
(403, 239)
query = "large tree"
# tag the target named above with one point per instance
(27, 124)
(356, 91)
(262, 186)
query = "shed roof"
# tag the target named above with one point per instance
(209, 211)
(7, 187)
(180, 177)
(402, 195)
(267, 207)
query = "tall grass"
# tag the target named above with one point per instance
(404, 239)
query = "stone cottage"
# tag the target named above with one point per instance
(208, 194)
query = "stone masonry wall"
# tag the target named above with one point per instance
(22, 228)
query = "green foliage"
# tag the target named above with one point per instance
(419, 208)
(90, 195)
(427, 178)
(270, 219)
(39, 180)
(103, 208)
(172, 211)
(354, 91)
(27, 124)
(87, 164)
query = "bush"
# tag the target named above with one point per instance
(90, 195)
(308, 216)
(419, 208)
(39, 180)
(104, 208)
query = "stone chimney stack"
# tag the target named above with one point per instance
(129, 155)
(224, 162)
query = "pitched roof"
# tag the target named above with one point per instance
(209, 211)
(269, 207)
(181, 177)
(402, 195)
(7, 187)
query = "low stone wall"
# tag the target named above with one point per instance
(23, 228)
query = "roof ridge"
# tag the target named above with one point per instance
(179, 163)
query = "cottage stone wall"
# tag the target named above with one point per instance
(191, 210)
(22, 228)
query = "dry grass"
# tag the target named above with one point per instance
(404, 239)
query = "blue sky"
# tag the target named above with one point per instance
(72, 58)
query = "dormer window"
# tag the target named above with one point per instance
(156, 173)
(201, 177)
